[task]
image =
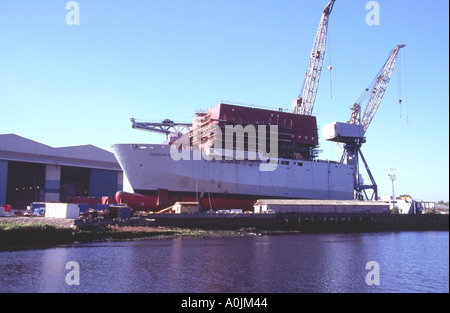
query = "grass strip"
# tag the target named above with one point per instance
(23, 236)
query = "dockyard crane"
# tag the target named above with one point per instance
(374, 93)
(304, 104)
(352, 133)
(167, 127)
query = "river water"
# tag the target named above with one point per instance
(405, 262)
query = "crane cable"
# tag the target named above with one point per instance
(330, 57)
(330, 60)
(399, 83)
(401, 77)
(338, 146)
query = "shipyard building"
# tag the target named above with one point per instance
(33, 172)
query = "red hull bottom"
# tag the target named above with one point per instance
(150, 203)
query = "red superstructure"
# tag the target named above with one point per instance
(297, 134)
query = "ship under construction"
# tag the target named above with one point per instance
(225, 158)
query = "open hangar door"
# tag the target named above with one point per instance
(26, 184)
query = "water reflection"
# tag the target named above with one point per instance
(51, 269)
(409, 262)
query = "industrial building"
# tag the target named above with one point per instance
(34, 172)
(321, 206)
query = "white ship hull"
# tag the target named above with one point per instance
(150, 168)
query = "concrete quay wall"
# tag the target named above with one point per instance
(308, 222)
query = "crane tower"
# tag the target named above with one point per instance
(352, 133)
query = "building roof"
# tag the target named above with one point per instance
(17, 148)
(298, 202)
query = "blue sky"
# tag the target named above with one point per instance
(71, 85)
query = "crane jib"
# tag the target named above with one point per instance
(329, 7)
(304, 104)
(375, 92)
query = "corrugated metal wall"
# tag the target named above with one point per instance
(330, 209)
